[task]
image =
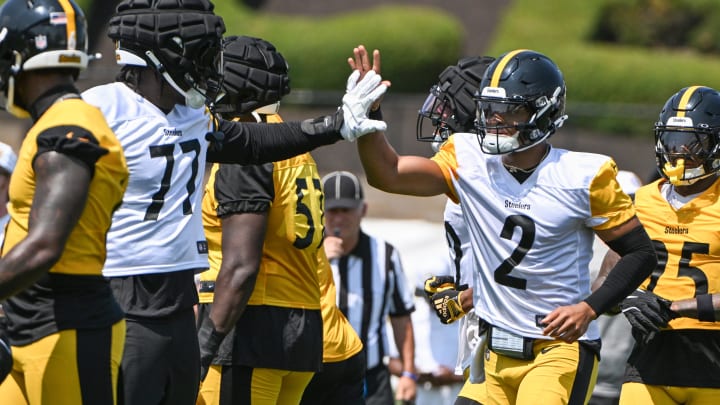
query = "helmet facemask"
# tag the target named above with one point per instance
(197, 93)
(513, 124)
(438, 110)
(686, 153)
(450, 106)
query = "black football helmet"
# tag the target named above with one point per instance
(255, 77)
(39, 34)
(521, 102)
(450, 106)
(181, 39)
(687, 136)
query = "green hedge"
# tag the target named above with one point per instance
(416, 43)
(601, 73)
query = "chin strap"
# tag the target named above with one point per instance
(193, 98)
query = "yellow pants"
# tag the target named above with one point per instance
(258, 386)
(560, 373)
(70, 367)
(637, 393)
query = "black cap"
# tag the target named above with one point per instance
(342, 190)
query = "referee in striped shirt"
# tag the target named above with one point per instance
(371, 286)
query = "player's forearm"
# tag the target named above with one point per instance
(704, 307)
(636, 263)
(243, 236)
(232, 293)
(379, 161)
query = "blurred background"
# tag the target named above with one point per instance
(621, 60)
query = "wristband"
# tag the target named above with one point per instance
(705, 310)
(410, 375)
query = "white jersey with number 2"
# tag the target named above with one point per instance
(532, 241)
(158, 227)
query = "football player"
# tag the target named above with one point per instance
(170, 52)
(531, 211)
(65, 328)
(254, 278)
(450, 108)
(675, 313)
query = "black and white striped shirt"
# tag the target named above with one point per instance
(371, 285)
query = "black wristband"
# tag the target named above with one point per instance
(375, 114)
(705, 310)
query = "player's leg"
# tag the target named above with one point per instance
(184, 354)
(472, 394)
(209, 393)
(74, 366)
(561, 373)
(145, 363)
(341, 382)
(636, 393)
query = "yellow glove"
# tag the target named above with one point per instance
(436, 284)
(447, 305)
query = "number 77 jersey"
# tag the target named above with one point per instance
(532, 241)
(158, 226)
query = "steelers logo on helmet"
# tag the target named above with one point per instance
(450, 106)
(181, 39)
(687, 136)
(521, 102)
(255, 77)
(43, 34)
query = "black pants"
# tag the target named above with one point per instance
(342, 382)
(161, 362)
(377, 383)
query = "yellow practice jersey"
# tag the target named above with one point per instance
(687, 245)
(85, 248)
(340, 342)
(291, 193)
(74, 294)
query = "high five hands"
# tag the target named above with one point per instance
(364, 89)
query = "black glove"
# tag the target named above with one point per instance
(647, 312)
(6, 360)
(436, 284)
(208, 349)
(447, 305)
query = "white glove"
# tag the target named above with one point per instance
(357, 100)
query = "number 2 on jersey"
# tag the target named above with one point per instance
(166, 151)
(527, 237)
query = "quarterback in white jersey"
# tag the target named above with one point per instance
(531, 211)
(534, 238)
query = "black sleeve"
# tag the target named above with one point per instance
(73, 141)
(636, 263)
(242, 189)
(254, 143)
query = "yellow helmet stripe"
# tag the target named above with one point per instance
(682, 105)
(495, 81)
(70, 28)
